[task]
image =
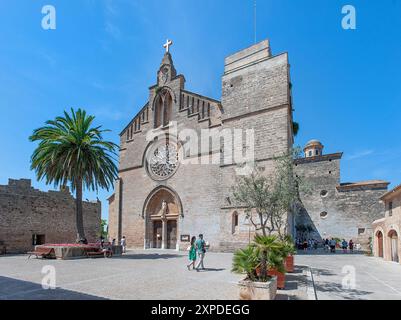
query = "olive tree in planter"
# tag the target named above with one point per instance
(268, 198)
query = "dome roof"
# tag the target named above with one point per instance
(314, 142)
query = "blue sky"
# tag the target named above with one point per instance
(104, 55)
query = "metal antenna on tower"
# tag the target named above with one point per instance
(254, 20)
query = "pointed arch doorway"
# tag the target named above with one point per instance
(379, 239)
(393, 239)
(162, 211)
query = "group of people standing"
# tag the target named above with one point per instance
(307, 244)
(331, 244)
(328, 244)
(197, 251)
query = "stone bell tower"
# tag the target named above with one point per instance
(313, 148)
(166, 71)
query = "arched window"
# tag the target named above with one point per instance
(163, 109)
(168, 106)
(158, 112)
(234, 222)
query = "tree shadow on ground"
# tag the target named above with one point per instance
(150, 256)
(298, 270)
(295, 285)
(322, 272)
(338, 290)
(321, 252)
(211, 269)
(14, 289)
(292, 280)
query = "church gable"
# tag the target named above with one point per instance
(141, 118)
(200, 107)
(169, 101)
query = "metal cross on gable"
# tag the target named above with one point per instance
(167, 45)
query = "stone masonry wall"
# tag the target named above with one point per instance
(25, 211)
(256, 87)
(348, 212)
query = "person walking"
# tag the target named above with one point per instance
(201, 250)
(333, 244)
(192, 254)
(124, 244)
(305, 245)
(351, 246)
(326, 244)
(344, 245)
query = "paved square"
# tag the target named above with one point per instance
(375, 279)
(136, 275)
(163, 275)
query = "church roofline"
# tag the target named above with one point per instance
(378, 221)
(182, 90)
(200, 96)
(133, 119)
(370, 184)
(391, 193)
(265, 41)
(325, 157)
(285, 53)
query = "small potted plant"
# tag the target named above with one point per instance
(272, 253)
(290, 250)
(276, 267)
(255, 261)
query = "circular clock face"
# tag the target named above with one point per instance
(163, 161)
(164, 75)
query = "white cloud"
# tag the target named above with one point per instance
(108, 113)
(360, 154)
(110, 8)
(113, 30)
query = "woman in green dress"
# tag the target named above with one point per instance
(192, 254)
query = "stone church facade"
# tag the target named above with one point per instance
(31, 217)
(161, 201)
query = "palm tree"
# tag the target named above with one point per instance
(72, 151)
(268, 249)
(246, 261)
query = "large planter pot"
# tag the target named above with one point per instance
(289, 264)
(280, 277)
(251, 290)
